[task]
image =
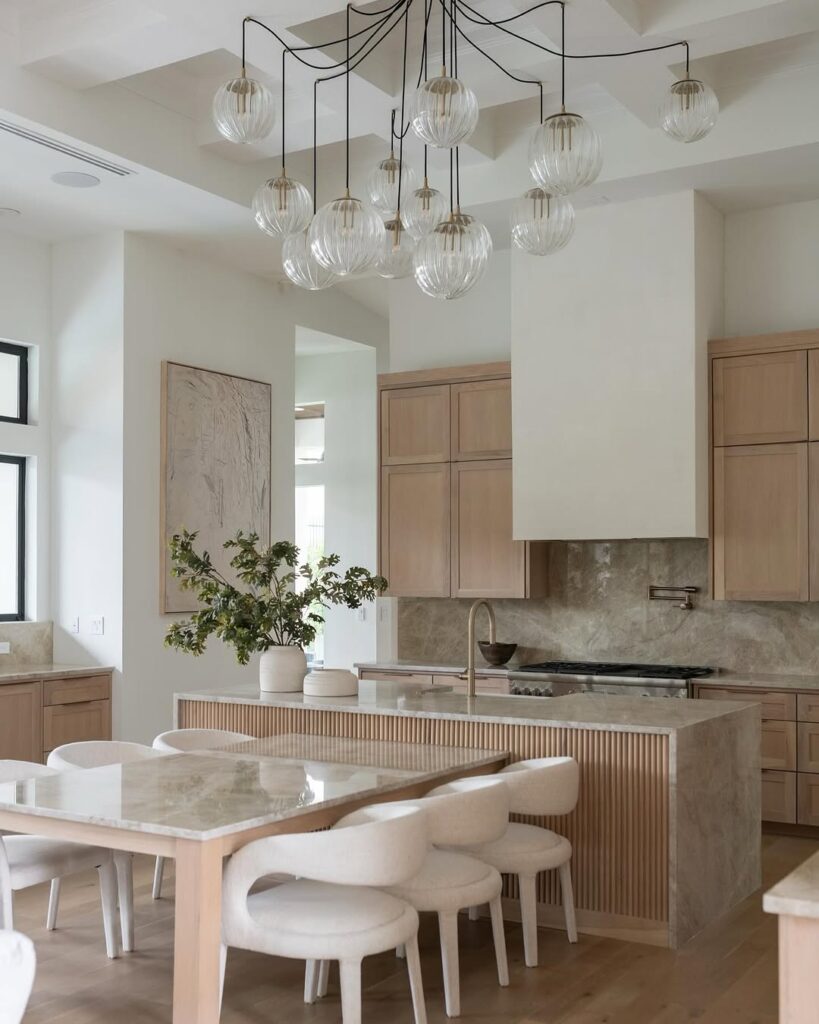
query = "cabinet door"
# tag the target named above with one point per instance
(809, 747)
(779, 796)
(808, 707)
(415, 678)
(813, 519)
(415, 425)
(71, 723)
(482, 420)
(415, 530)
(760, 541)
(483, 684)
(779, 746)
(807, 799)
(486, 562)
(760, 399)
(21, 721)
(780, 706)
(813, 394)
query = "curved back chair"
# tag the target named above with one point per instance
(18, 963)
(544, 786)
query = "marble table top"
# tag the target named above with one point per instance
(798, 893)
(217, 793)
(580, 710)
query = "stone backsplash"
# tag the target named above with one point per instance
(598, 608)
(31, 643)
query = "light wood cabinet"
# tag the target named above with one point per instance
(778, 746)
(807, 799)
(760, 399)
(779, 797)
(809, 747)
(813, 521)
(483, 684)
(418, 678)
(415, 530)
(760, 523)
(481, 420)
(813, 394)
(415, 425)
(21, 721)
(72, 723)
(775, 706)
(808, 707)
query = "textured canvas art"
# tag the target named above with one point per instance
(216, 465)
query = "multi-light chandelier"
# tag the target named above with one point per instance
(401, 229)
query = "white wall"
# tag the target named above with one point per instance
(346, 383)
(25, 297)
(87, 452)
(607, 372)
(771, 261)
(427, 332)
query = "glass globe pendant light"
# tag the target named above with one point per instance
(346, 236)
(282, 206)
(300, 265)
(453, 257)
(689, 110)
(565, 154)
(397, 250)
(444, 111)
(382, 183)
(243, 109)
(424, 209)
(541, 224)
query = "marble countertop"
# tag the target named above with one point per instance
(798, 893)
(402, 665)
(580, 711)
(49, 670)
(215, 793)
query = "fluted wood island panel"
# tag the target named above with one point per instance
(650, 794)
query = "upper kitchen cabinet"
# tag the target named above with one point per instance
(481, 420)
(813, 394)
(610, 374)
(415, 530)
(415, 425)
(760, 399)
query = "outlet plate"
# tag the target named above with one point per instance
(74, 625)
(5, 647)
(96, 625)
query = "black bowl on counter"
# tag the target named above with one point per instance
(496, 654)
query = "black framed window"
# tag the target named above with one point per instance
(13, 383)
(12, 537)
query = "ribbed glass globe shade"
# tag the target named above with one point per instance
(444, 112)
(382, 184)
(453, 257)
(346, 236)
(282, 206)
(243, 110)
(423, 210)
(397, 251)
(300, 265)
(689, 110)
(541, 224)
(565, 154)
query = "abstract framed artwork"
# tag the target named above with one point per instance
(215, 475)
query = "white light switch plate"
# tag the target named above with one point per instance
(74, 625)
(96, 625)
(5, 647)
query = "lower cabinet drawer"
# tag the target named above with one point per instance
(779, 745)
(419, 678)
(779, 796)
(807, 799)
(77, 689)
(781, 706)
(70, 723)
(483, 684)
(809, 747)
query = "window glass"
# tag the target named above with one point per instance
(12, 519)
(310, 542)
(9, 385)
(309, 434)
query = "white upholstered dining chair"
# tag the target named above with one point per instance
(30, 860)
(336, 909)
(18, 963)
(178, 741)
(97, 754)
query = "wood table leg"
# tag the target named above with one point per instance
(197, 932)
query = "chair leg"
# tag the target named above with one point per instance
(323, 978)
(108, 898)
(499, 936)
(419, 1006)
(350, 974)
(448, 928)
(125, 885)
(473, 913)
(401, 951)
(159, 871)
(6, 907)
(528, 916)
(311, 981)
(222, 965)
(53, 904)
(568, 900)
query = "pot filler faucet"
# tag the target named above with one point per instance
(470, 663)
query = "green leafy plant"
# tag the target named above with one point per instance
(269, 611)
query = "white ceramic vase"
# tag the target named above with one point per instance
(282, 670)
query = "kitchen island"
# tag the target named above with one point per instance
(666, 833)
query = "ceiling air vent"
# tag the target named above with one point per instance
(63, 147)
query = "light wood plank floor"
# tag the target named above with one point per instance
(727, 975)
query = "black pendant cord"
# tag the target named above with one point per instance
(315, 146)
(284, 109)
(562, 56)
(347, 110)
(403, 101)
(453, 18)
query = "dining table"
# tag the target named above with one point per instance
(200, 807)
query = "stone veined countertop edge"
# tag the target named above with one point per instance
(797, 894)
(354, 705)
(50, 670)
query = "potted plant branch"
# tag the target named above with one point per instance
(267, 613)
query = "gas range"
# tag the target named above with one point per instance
(558, 678)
